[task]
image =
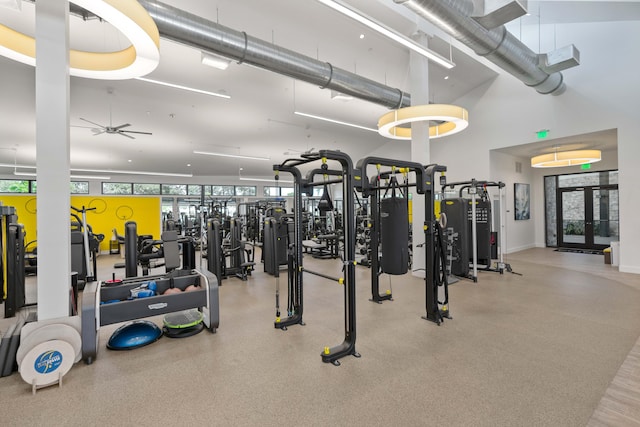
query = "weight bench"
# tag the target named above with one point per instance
(314, 247)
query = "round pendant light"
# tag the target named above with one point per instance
(127, 16)
(566, 158)
(452, 119)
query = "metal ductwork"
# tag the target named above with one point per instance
(191, 30)
(496, 44)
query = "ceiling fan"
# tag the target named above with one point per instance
(113, 129)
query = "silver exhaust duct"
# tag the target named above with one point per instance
(192, 30)
(496, 44)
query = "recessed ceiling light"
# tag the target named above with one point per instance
(189, 165)
(361, 36)
(446, 77)
(215, 61)
(129, 160)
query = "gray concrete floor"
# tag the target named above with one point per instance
(538, 349)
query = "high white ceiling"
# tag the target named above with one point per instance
(258, 120)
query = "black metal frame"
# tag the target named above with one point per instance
(473, 183)
(296, 269)
(370, 187)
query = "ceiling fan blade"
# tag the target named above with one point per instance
(122, 126)
(133, 131)
(93, 123)
(124, 134)
(98, 131)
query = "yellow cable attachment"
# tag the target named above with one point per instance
(327, 350)
(341, 281)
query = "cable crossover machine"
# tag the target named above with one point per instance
(345, 175)
(390, 228)
(352, 180)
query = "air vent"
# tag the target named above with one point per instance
(518, 167)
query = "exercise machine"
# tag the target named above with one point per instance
(215, 257)
(397, 222)
(143, 250)
(275, 256)
(12, 276)
(85, 247)
(345, 176)
(470, 222)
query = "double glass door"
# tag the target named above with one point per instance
(588, 216)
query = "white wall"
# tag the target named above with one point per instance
(519, 235)
(601, 94)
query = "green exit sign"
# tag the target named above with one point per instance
(586, 166)
(542, 134)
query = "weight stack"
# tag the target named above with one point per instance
(457, 219)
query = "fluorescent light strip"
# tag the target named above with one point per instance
(387, 32)
(184, 175)
(109, 171)
(235, 156)
(242, 178)
(72, 176)
(190, 89)
(326, 119)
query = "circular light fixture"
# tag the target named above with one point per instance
(566, 158)
(454, 119)
(129, 17)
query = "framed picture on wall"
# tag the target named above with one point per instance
(521, 201)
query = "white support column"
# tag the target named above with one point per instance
(52, 158)
(419, 78)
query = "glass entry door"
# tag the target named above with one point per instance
(573, 214)
(605, 217)
(588, 217)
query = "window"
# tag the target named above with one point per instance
(286, 191)
(271, 191)
(242, 190)
(589, 178)
(116, 188)
(318, 191)
(222, 190)
(153, 189)
(175, 189)
(194, 190)
(14, 186)
(79, 187)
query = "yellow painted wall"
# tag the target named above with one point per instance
(111, 212)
